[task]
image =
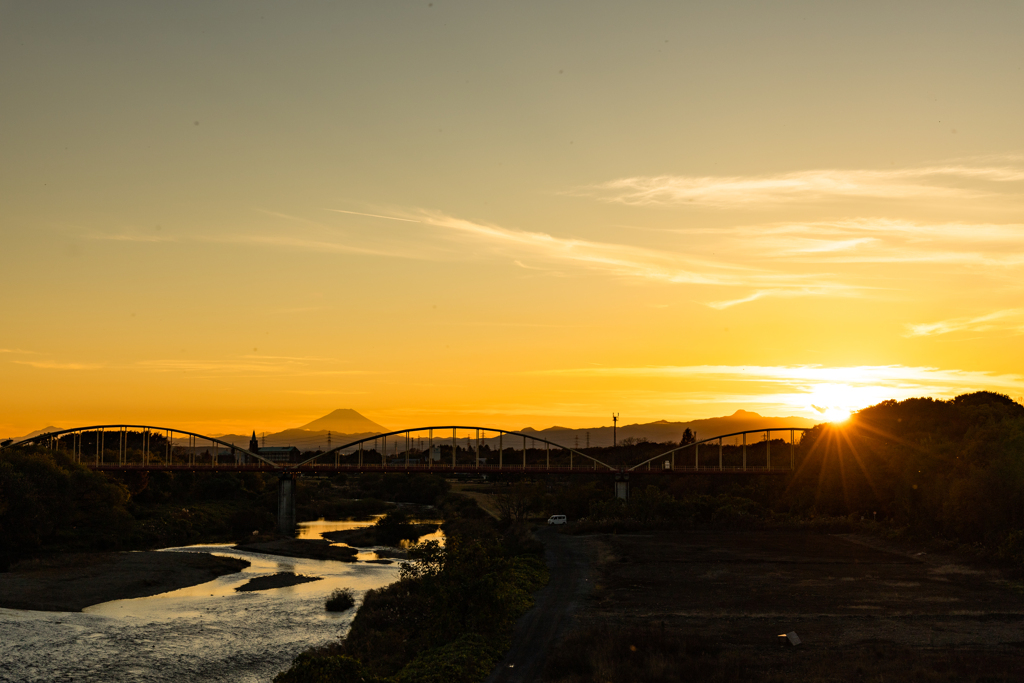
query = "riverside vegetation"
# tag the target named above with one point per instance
(51, 504)
(448, 618)
(950, 473)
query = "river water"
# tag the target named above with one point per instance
(207, 632)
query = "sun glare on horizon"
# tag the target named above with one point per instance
(836, 402)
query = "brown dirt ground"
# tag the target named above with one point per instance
(843, 595)
(484, 500)
(73, 582)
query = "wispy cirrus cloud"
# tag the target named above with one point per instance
(1010, 319)
(859, 374)
(623, 260)
(882, 240)
(948, 181)
(806, 388)
(130, 237)
(248, 365)
(55, 365)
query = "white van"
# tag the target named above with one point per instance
(556, 519)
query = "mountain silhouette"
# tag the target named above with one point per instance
(344, 421)
(44, 430)
(334, 429)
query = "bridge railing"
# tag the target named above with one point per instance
(436, 438)
(667, 460)
(124, 444)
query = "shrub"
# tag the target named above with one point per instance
(312, 668)
(468, 659)
(341, 600)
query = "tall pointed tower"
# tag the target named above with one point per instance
(254, 443)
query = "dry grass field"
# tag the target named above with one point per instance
(710, 606)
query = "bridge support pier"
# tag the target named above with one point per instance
(622, 486)
(286, 505)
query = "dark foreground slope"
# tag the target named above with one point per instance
(710, 606)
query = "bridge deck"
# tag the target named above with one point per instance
(429, 469)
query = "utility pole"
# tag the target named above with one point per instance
(615, 423)
(328, 439)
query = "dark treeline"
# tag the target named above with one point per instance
(945, 470)
(953, 468)
(49, 503)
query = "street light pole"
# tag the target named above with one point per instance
(615, 423)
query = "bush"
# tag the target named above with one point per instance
(312, 668)
(468, 659)
(341, 600)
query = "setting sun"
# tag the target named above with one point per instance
(510, 237)
(361, 335)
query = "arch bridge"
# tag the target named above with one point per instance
(436, 449)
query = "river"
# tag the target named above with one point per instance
(207, 632)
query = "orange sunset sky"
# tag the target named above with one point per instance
(225, 216)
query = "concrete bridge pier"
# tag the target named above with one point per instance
(622, 486)
(286, 504)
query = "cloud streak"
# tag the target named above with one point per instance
(630, 261)
(930, 182)
(870, 374)
(881, 241)
(801, 387)
(1011, 319)
(54, 365)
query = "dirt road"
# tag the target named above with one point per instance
(569, 559)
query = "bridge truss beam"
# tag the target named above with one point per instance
(670, 465)
(71, 440)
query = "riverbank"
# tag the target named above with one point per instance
(207, 633)
(70, 583)
(450, 615)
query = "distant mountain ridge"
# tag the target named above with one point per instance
(665, 431)
(44, 430)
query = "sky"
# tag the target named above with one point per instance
(224, 216)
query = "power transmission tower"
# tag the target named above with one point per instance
(615, 424)
(328, 439)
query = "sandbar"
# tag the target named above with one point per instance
(72, 582)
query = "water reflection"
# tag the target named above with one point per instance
(316, 530)
(207, 632)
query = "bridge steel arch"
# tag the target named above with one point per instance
(721, 468)
(453, 438)
(52, 439)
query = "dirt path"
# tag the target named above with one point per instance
(569, 559)
(484, 500)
